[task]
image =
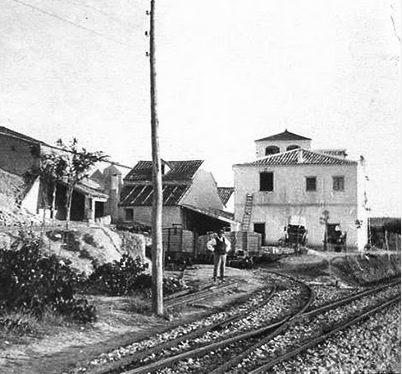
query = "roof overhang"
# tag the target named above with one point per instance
(212, 212)
(92, 193)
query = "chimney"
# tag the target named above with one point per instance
(300, 159)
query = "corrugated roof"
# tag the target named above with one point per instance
(225, 193)
(179, 170)
(300, 156)
(142, 195)
(286, 135)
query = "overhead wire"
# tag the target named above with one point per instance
(100, 11)
(50, 14)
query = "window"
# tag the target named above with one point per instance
(291, 147)
(338, 183)
(266, 181)
(129, 214)
(311, 184)
(271, 150)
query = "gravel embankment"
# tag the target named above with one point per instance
(371, 347)
(325, 294)
(299, 331)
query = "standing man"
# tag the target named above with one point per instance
(220, 246)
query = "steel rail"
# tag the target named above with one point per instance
(347, 299)
(315, 341)
(201, 295)
(229, 364)
(281, 327)
(225, 342)
(140, 355)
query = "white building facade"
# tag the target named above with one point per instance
(300, 183)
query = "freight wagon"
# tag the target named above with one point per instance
(183, 247)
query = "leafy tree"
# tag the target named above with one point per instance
(72, 166)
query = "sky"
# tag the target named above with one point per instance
(228, 72)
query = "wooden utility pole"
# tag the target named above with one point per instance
(157, 250)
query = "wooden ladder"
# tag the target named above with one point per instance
(248, 207)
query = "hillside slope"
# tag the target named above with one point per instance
(12, 189)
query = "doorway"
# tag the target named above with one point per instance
(260, 228)
(99, 209)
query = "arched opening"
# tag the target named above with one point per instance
(271, 150)
(293, 146)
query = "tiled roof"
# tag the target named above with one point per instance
(225, 193)
(142, 195)
(179, 170)
(286, 135)
(300, 156)
(332, 152)
(15, 134)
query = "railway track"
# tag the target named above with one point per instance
(242, 346)
(311, 329)
(193, 298)
(170, 339)
(239, 334)
(245, 326)
(323, 336)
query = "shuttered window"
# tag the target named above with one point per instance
(266, 181)
(311, 184)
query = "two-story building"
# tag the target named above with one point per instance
(191, 199)
(288, 181)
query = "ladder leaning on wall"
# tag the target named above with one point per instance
(248, 207)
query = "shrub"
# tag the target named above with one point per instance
(120, 277)
(127, 276)
(31, 282)
(170, 284)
